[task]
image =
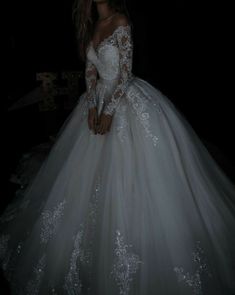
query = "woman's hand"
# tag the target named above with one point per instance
(92, 119)
(104, 123)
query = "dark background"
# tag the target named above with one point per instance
(184, 48)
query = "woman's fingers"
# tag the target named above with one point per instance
(89, 123)
(105, 128)
(93, 123)
(104, 124)
(89, 120)
(100, 127)
(92, 119)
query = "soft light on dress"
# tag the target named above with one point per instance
(141, 210)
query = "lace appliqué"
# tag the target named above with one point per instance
(90, 78)
(125, 46)
(122, 122)
(194, 280)
(139, 107)
(83, 256)
(125, 266)
(73, 283)
(38, 272)
(90, 223)
(50, 220)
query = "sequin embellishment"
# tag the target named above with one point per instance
(90, 223)
(50, 220)
(73, 283)
(194, 280)
(122, 123)
(125, 266)
(125, 48)
(139, 106)
(83, 256)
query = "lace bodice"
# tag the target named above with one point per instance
(112, 61)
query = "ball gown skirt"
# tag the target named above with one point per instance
(141, 210)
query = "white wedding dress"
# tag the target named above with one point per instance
(141, 210)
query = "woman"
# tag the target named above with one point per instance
(128, 202)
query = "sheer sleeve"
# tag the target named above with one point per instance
(90, 78)
(125, 46)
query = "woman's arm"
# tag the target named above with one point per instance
(90, 78)
(126, 52)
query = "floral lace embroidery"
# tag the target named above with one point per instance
(125, 45)
(122, 122)
(81, 255)
(38, 272)
(125, 266)
(139, 107)
(73, 283)
(90, 223)
(194, 280)
(107, 40)
(50, 221)
(91, 78)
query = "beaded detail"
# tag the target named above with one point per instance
(73, 283)
(139, 107)
(116, 52)
(194, 281)
(125, 266)
(125, 46)
(90, 78)
(83, 256)
(50, 220)
(122, 122)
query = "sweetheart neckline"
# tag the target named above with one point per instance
(96, 49)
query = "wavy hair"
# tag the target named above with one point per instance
(84, 16)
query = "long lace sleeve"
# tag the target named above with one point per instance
(90, 78)
(125, 46)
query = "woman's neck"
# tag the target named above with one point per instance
(104, 10)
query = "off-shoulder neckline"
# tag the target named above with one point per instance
(109, 36)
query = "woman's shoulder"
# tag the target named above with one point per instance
(121, 20)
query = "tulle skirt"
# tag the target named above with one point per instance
(141, 210)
